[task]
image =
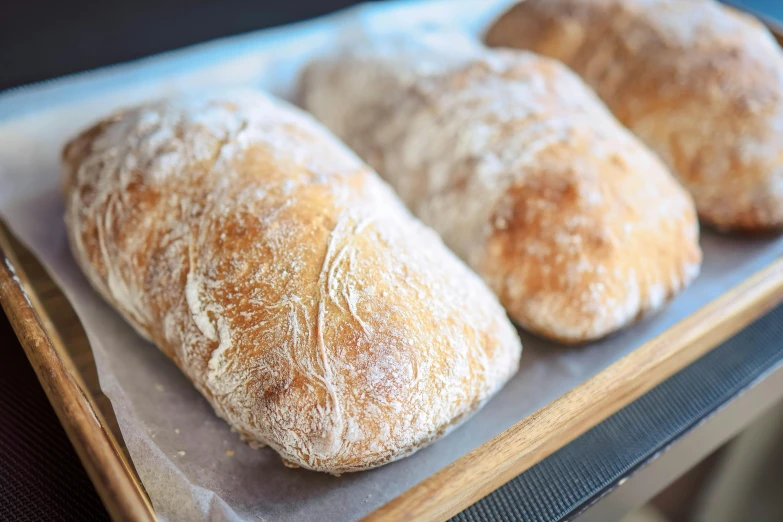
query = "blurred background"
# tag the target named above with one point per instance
(741, 481)
(44, 39)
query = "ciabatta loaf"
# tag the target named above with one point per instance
(697, 81)
(284, 278)
(525, 174)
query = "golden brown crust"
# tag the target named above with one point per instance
(698, 82)
(284, 278)
(575, 225)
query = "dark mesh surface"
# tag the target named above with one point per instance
(41, 477)
(565, 483)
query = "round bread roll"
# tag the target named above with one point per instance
(698, 82)
(284, 278)
(522, 171)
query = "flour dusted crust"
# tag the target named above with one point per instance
(575, 225)
(284, 278)
(698, 82)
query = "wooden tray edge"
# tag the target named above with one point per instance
(117, 484)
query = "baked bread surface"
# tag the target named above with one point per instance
(699, 82)
(284, 278)
(575, 225)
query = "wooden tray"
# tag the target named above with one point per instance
(57, 347)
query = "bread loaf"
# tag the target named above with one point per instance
(698, 82)
(284, 278)
(524, 173)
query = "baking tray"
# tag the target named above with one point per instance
(58, 349)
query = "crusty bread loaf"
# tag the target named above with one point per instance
(284, 278)
(575, 225)
(699, 82)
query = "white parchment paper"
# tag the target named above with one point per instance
(193, 467)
